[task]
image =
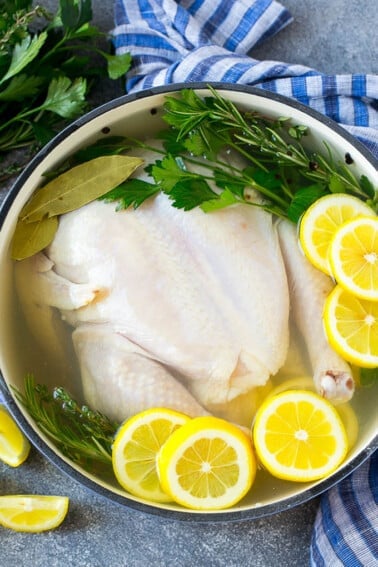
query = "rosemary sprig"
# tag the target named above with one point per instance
(82, 434)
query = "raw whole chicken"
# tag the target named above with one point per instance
(179, 309)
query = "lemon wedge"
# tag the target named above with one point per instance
(32, 513)
(353, 257)
(135, 447)
(299, 436)
(207, 464)
(351, 326)
(320, 222)
(14, 446)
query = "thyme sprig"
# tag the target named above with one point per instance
(82, 434)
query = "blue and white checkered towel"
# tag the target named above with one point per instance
(346, 526)
(186, 41)
(208, 40)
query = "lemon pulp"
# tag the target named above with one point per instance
(207, 464)
(299, 436)
(136, 446)
(320, 222)
(32, 513)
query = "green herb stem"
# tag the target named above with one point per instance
(82, 434)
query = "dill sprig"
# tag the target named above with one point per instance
(84, 435)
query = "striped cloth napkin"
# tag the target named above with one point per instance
(186, 41)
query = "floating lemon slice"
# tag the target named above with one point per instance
(353, 257)
(14, 446)
(345, 411)
(320, 222)
(135, 447)
(351, 325)
(208, 464)
(299, 436)
(32, 513)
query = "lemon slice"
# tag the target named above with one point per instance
(14, 446)
(135, 447)
(345, 410)
(353, 257)
(351, 326)
(32, 513)
(208, 464)
(299, 436)
(320, 222)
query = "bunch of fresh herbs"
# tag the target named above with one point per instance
(48, 62)
(277, 165)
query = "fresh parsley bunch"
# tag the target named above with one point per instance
(48, 63)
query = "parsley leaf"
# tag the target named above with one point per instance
(21, 87)
(227, 180)
(66, 97)
(131, 193)
(75, 14)
(190, 193)
(118, 65)
(23, 54)
(225, 199)
(169, 171)
(368, 376)
(302, 199)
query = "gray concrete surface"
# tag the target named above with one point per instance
(334, 37)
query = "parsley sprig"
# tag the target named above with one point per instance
(48, 63)
(278, 166)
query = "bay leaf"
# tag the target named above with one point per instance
(31, 237)
(79, 185)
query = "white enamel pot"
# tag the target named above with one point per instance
(139, 115)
